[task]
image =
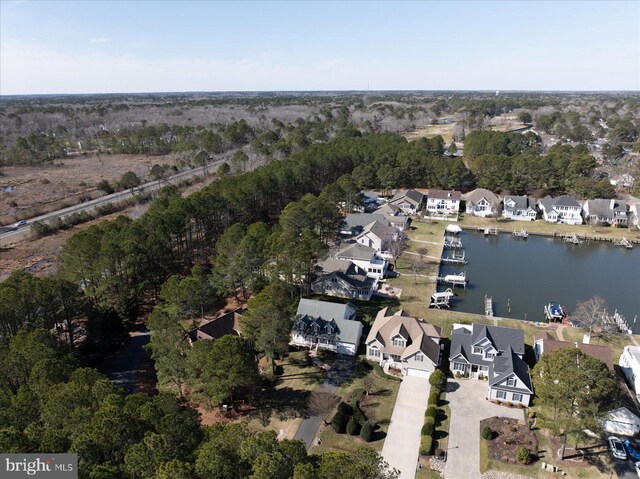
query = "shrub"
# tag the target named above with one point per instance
(438, 379)
(432, 411)
(433, 397)
(366, 433)
(358, 416)
(356, 396)
(523, 455)
(428, 426)
(425, 445)
(352, 426)
(345, 409)
(486, 433)
(339, 423)
(458, 374)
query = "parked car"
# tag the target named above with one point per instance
(635, 455)
(617, 448)
(20, 223)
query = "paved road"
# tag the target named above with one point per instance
(469, 406)
(342, 370)
(402, 445)
(625, 469)
(125, 366)
(112, 198)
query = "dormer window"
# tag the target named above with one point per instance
(489, 356)
(419, 357)
(511, 382)
(329, 330)
(477, 350)
(398, 342)
(316, 327)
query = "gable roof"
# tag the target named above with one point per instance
(351, 273)
(228, 323)
(507, 364)
(420, 335)
(412, 196)
(325, 309)
(379, 229)
(389, 209)
(479, 193)
(600, 352)
(356, 251)
(463, 338)
(566, 200)
(444, 195)
(521, 202)
(357, 221)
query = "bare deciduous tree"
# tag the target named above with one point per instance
(321, 403)
(396, 245)
(367, 384)
(591, 315)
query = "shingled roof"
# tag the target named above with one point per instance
(228, 323)
(600, 352)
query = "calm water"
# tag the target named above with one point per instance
(533, 272)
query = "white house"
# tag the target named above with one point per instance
(606, 212)
(563, 209)
(401, 342)
(325, 325)
(630, 366)
(519, 208)
(623, 181)
(409, 201)
(481, 202)
(366, 258)
(621, 422)
(443, 203)
(634, 215)
(495, 353)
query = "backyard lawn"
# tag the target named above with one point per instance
(377, 407)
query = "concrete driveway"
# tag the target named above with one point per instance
(468, 407)
(402, 444)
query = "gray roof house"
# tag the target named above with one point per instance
(482, 202)
(519, 208)
(325, 325)
(563, 209)
(606, 212)
(343, 279)
(409, 201)
(401, 342)
(212, 329)
(366, 258)
(494, 353)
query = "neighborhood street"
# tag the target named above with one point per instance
(468, 407)
(402, 444)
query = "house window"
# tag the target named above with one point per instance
(419, 357)
(329, 330)
(477, 350)
(501, 395)
(334, 280)
(398, 342)
(458, 366)
(511, 382)
(490, 355)
(374, 352)
(517, 397)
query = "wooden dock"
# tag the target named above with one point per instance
(454, 258)
(454, 279)
(491, 232)
(488, 305)
(624, 242)
(522, 234)
(452, 243)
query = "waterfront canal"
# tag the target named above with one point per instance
(527, 274)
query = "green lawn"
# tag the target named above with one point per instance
(377, 407)
(282, 406)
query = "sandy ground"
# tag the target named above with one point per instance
(46, 188)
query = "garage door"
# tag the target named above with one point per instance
(418, 373)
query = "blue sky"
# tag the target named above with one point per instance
(117, 46)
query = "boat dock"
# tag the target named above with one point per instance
(491, 232)
(624, 242)
(522, 234)
(454, 279)
(454, 258)
(452, 243)
(488, 305)
(618, 320)
(573, 239)
(441, 299)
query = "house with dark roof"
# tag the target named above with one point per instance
(443, 203)
(402, 342)
(482, 202)
(606, 212)
(211, 329)
(394, 216)
(366, 258)
(343, 279)
(377, 235)
(493, 353)
(409, 201)
(563, 209)
(544, 343)
(519, 208)
(326, 325)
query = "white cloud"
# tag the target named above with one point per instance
(99, 40)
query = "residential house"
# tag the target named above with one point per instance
(630, 366)
(495, 353)
(371, 201)
(402, 342)
(634, 215)
(563, 209)
(443, 203)
(621, 422)
(623, 181)
(519, 208)
(544, 343)
(211, 329)
(394, 216)
(355, 223)
(343, 279)
(481, 202)
(325, 325)
(606, 212)
(366, 258)
(409, 201)
(377, 236)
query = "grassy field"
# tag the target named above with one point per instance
(445, 131)
(377, 407)
(282, 406)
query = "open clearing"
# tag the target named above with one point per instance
(40, 189)
(445, 131)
